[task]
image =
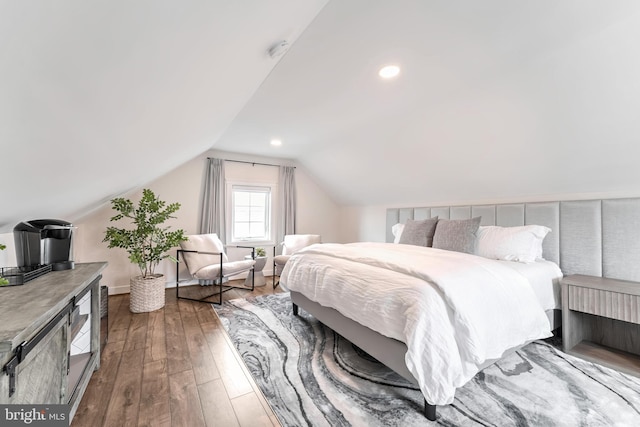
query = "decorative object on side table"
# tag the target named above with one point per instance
(3, 281)
(147, 244)
(261, 261)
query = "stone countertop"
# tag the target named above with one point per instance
(25, 309)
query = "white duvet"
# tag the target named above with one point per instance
(454, 311)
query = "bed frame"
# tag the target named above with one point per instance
(592, 237)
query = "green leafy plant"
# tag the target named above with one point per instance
(260, 252)
(3, 281)
(148, 241)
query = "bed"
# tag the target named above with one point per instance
(449, 330)
(599, 237)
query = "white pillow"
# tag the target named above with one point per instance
(397, 232)
(521, 244)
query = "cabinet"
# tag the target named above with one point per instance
(50, 337)
(601, 321)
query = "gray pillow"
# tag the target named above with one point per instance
(419, 233)
(456, 234)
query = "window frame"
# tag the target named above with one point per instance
(272, 212)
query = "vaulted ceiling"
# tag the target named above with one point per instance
(495, 99)
(99, 97)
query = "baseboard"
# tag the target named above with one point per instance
(115, 290)
(124, 289)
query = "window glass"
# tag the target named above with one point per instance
(251, 216)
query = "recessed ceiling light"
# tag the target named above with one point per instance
(276, 142)
(389, 71)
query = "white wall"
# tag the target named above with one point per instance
(363, 223)
(317, 213)
(8, 256)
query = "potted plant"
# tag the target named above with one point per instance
(3, 281)
(260, 252)
(147, 243)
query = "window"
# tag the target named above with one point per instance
(251, 216)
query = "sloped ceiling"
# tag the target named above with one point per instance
(99, 97)
(496, 100)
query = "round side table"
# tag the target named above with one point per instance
(261, 261)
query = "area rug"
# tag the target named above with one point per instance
(311, 376)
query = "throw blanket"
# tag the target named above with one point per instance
(454, 311)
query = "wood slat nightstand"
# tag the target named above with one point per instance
(601, 321)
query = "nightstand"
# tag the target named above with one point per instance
(601, 321)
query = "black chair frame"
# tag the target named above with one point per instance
(273, 277)
(216, 282)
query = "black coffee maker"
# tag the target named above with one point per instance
(44, 242)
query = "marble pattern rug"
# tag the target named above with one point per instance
(311, 376)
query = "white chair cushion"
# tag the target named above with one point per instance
(295, 242)
(212, 272)
(281, 259)
(202, 243)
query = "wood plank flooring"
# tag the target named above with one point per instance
(172, 367)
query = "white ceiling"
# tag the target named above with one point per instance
(99, 97)
(496, 99)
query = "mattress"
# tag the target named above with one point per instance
(544, 277)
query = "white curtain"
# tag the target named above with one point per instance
(212, 216)
(287, 199)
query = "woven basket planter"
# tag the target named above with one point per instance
(146, 294)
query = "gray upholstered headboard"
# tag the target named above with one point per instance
(594, 237)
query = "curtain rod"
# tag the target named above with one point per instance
(250, 163)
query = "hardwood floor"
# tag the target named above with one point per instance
(172, 367)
